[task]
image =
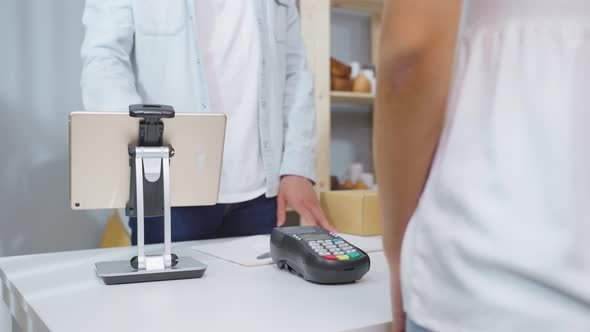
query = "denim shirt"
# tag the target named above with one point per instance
(146, 51)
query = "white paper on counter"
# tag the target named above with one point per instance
(245, 250)
(240, 250)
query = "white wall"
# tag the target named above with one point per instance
(39, 87)
(351, 124)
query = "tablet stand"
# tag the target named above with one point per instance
(149, 196)
(150, 178)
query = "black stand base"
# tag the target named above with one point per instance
(120, 272)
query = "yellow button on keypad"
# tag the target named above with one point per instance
(343, 257)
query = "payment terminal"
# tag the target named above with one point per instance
(317, 255)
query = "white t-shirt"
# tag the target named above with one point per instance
(229, 43)
(500, 241)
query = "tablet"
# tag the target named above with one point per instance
(99, 159)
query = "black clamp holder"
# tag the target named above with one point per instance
(150, 183)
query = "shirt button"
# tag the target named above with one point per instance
(266, 145)
(264, 103)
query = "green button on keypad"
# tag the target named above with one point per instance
(354, 255)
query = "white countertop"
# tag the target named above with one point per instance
(60, 292)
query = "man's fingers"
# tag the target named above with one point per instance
(306, 214)
(281, 210)
(322, 221)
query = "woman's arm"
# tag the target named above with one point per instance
(416, 56)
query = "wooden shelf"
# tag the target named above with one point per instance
(371, 6)
(341, 97)
(316, 30)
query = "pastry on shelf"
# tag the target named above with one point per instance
(339, 69)
(361, 84)
(341, 84)
(347, 185)
(360, 185)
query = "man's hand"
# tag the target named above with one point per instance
(298, 193)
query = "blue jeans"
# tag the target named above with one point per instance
(413, 327)
(257, 216)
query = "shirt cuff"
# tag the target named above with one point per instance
(300, 164)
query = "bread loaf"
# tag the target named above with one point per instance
(341, 84)
(339, 69)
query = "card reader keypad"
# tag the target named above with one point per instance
(334, 249)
